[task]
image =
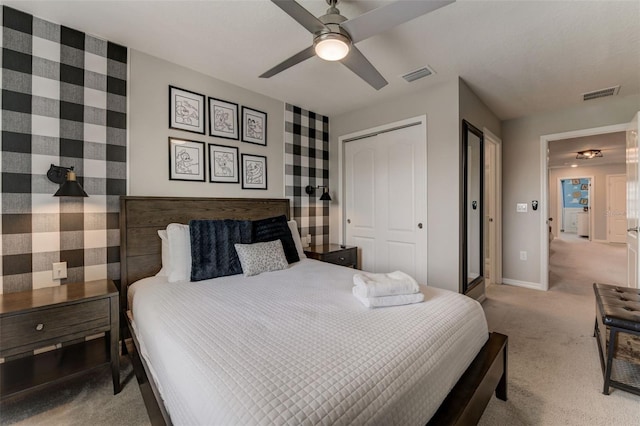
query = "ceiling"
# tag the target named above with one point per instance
(519, 57)
(562, 153)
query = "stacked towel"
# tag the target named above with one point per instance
(378, 290)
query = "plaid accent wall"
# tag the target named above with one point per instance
(63, 103)
(306, 151)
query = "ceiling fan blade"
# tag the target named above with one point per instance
(360, 65)
(300, 14)
(295, 59)
(386, 17)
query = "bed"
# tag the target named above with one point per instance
(293, 346)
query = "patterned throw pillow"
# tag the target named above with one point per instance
(261, 257)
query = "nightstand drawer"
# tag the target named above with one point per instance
(29, 330)
(345, 257)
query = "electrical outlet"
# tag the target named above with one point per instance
(59, 270)
(523, 255)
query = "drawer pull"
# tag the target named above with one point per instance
(341, 259)
(40, 327)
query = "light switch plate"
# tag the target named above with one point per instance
(59, 270)
(521, 207)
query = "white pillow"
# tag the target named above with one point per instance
(166, 257)
(293, 227)
(179, 252)
(261, 257)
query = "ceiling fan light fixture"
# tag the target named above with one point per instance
(332, 46)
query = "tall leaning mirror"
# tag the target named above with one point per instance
(472, 207)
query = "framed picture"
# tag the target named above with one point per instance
(186, 110)
(223, 119)
(254, 126)
(223, 164)
(186, 160)
(254, 171)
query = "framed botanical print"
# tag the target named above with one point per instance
(254, 126)
(186, 160)
(223, 164)
(254, 171)
(223, 119)
(186, 110)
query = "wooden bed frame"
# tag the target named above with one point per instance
(140, 257)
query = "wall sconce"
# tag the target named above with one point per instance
(67, 177)
(325, 192)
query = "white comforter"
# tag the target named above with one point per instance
(295, 347)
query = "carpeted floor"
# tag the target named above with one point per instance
(554, 371)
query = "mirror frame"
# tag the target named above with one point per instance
(466, 287)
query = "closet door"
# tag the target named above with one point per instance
(386, 195)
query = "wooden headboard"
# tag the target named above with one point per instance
(142, 217)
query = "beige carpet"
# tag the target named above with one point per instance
(554, 372)
(554, 369)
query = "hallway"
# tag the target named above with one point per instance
(574, 261)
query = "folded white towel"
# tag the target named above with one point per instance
(377, 285)
(382, 301)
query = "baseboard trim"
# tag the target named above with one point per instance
(525, 284)
(599, 241)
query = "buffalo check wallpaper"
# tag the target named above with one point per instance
(306, 159)
(63, 103)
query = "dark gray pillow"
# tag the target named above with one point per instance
(212, 247)
(276, 228)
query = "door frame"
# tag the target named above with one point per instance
(591, 197)
(544, 188)
(496, 259)
(420, 120)
(608, 186)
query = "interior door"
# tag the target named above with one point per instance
(633, 198)
(617, 208)
(385, 199)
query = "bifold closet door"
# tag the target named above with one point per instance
(386, 200)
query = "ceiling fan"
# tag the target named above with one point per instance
(334, 36)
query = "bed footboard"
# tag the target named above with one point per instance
(469, 397)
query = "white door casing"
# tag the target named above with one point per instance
(633, 200)
(616, 208)
(385, 200)
(544, 191)
(493, 203)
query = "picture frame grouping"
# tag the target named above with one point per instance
(188, 112)
(188, 162)
(191, 160)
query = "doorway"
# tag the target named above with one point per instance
(493, 208)
(574, 169)
(574, 202)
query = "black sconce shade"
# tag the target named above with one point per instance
(67, 177)
(325, 192)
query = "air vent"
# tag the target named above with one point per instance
(418, 74)
(601, 93)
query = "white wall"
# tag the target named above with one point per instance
(440, 104)
(521, 174)
(599, 204)
(149, 81)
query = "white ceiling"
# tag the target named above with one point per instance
(520, 57)
(562, 153)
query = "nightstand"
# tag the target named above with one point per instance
(65, 315)
(334, 253)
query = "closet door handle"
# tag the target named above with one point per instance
(633, 229)
(420, 225)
